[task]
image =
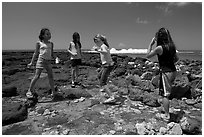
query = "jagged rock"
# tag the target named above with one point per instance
(198, 105)
(146, 85)
(195, 92)
(10, 71)
(9, 91)
(144, 128)
(141, 128)
(136, 71)
(136, 94)
(162, 131)
(174, 129)
(119, 71)
(123, 91)
(191, 125)
(73, 93)
(134, 80)
(13, 112)
(147, 76)
(190, 101)
(150, 99)
(155, 81)
(180, 91)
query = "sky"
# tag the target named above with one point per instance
(125, 24)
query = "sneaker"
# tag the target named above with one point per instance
(77, 83)
(73, 85)
(102, 90)
(29, 95)
(110, 100)
(164, 117)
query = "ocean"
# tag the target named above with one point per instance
(183, 54)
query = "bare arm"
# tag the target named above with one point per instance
(35, 54)
(156, 51)
(151, 44)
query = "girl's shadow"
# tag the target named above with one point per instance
(176, 117)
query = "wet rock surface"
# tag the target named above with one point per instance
(82, 111)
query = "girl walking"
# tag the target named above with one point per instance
(103, 48)
(44, 52)
(167, 56)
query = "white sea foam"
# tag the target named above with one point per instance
(123, 51)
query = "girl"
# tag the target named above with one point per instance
(75, 50)
(103, 48)
(167, 56)
(44, 52)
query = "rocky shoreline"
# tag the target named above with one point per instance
(79, 111)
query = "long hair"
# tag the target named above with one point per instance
(42, 32)
(163, 37)
(75, 36)
(103, 39)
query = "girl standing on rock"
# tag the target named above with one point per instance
(167, 56)
(103, 48)
(44, 52)
(75, 50)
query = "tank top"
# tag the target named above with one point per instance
(166, 60)
(75, 48)
(45, 50)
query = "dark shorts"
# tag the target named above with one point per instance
(75, 62)
(104, 73)
(165, 85)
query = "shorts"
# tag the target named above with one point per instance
(104, 73)
(75, 62)
(165, 84)
(43, 63)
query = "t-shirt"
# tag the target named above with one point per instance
(75, 48)
(45, 50)
(105, 57)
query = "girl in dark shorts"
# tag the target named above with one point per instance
(103, 48)
(74, 49)
(167, 56)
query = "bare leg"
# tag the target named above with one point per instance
(73, 71)
(76, 73)
(34, 80)
(166, 106)
(50, 78)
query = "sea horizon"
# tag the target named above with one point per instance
(183, 54)
(86, 50)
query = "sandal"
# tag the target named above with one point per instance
(110, 100)
(56, 97)
(102, 90)
(29, 95)
(77, 83)
(73, 85)
(163, 117)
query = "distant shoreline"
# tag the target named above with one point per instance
(55, 50)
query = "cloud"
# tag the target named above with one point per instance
(167, 7)
(178, 4)
(139, 21)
